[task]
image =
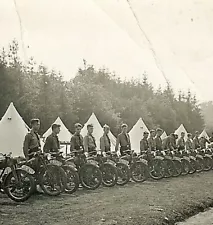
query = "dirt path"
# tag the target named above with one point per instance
(205, 218)
(148, 204)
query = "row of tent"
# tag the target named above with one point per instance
(13, 130)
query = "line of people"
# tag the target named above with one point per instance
(149, 142)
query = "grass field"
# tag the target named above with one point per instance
(146, 204)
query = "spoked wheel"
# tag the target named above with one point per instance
(72, 179)
(186, 167)
(207, 163)
(156, 169)
(178, 168)
(199, 165)
(193, 166)
(169, 168)
(123, 174)
(52, 180)
(109, 175)
(139, 172)
(90, 176)
(19, 185)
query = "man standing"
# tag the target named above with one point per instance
(123, 140)
(158, 140)
(89, 140)
(151, 141)
(32, 140)
(196, 141)
(168, 143)
(189, 144)
(181, 142)
(211, 138)
(203, 141)
(77, 142)
(144, 145)
(52, 144)
(105, 143)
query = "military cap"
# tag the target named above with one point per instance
(106, 126)
(124, 125)
(78, 125)
(89, 125)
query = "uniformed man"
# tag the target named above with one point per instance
(189, 144)
(196, 141)
(181, 142)
(151, 141)
(123, 140)
(105, 143)
(52, 144)
(168, 143)
(89, 140)
(203, 141)
(158, 140)
(144, 145)
(32, 140)
(77, 143)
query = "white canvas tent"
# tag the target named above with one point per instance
(12, 132)
(98, 131)
(63, 136)
(204, 134)
(164, 135)
(136, 134)
(180, 130)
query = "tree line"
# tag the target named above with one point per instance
(43, 93)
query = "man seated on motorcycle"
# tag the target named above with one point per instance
(123, 140)
(77, 145)
(203, 141)
(105, 143)
(181, 142)
(158, 140)
(189, 144)
(32, 140)
(52, 144)
(144, 145)
(89, 141)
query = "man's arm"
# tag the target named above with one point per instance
(26, 146)
(117, 143)
(102, 144)
(72, 144)
(141, 146)
(47, 145)
(86, 141)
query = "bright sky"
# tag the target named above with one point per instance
(60, 33)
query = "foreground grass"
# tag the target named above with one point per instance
(148, 204)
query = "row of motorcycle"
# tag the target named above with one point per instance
(55, 174)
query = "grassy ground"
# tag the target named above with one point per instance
(148, 204)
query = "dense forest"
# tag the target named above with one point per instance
(39, 92)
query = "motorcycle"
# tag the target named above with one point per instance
(17, 183)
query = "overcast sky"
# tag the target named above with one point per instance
(60, 33)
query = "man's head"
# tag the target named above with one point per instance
(172, 135)
(90, 128)
(78, 128)
(176, 136)
(124, 128)
(35, 124)
(106, 129)
(152, 133)
(196, 133)
(182, 134)
(56, 128)
(159, 132)
(145, 134)
(189, 135)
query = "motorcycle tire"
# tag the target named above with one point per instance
(139, 172)
(109, 175)
(90, 176)
(53, 176)
(156, 169)
(25, 180)
(72, 183)
(186, 167)
(207, 163)
(123, 172)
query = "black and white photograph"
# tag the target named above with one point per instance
(106, 112)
